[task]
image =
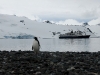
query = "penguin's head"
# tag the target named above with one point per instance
(35, 38)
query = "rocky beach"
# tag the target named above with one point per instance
(49, 63)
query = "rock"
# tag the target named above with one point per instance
(49, 63)
(38, 73)
(99, 62)
(71, 68)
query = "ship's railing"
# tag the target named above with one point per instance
(77, 33)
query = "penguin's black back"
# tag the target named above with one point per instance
(37, 40)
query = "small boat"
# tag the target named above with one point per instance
(76, 34)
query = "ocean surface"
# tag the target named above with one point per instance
(61, 45)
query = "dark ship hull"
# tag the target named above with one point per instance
(74, 36)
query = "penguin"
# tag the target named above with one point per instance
(36, 45)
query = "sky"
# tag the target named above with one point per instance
(73, 12)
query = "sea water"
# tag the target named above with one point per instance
(52, 45)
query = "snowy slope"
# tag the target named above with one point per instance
(10, 25)
(95, 29)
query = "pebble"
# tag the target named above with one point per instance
(49, 63)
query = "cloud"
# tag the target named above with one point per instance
(69, 22)
(75, 22)
(77, 11)
(94, 21)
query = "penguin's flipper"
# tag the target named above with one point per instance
(32, 47)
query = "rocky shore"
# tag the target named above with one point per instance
(49, 63)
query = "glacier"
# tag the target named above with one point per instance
(12, 26)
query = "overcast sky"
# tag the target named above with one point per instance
(60, 11)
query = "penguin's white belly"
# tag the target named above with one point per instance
(35, 46)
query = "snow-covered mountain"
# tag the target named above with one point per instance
(14, 26)
(95, 29)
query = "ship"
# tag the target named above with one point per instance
(76, 34)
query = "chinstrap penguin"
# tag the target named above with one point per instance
(36, 45)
